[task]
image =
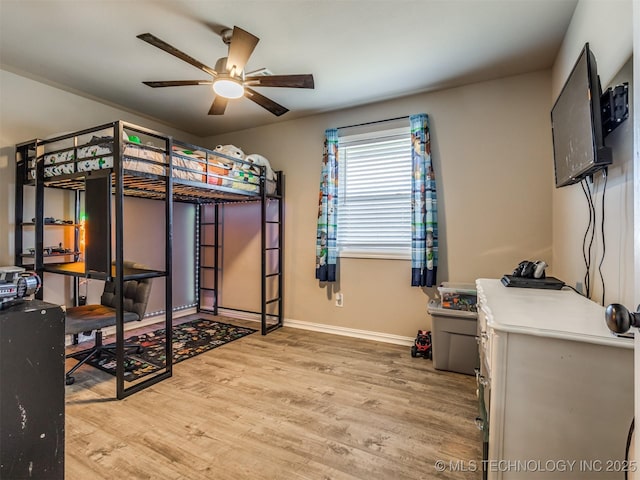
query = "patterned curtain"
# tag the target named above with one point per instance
(326, 253)
(424, 217)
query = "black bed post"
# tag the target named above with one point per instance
(21, 169)
(197, 233)
(38, 259)
(76, 242)
(280, 191)
(119, 274)
(216, 256)
(168, 205)
(263, 242)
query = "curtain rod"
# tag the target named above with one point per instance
(372, 123)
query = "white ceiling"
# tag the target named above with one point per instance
(359, 51)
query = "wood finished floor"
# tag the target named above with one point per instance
(291, 405)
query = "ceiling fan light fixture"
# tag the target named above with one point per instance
(228, 88)
(229, 79)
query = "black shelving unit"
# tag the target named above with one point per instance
(33, 257)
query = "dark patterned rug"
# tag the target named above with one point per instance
(189, 339)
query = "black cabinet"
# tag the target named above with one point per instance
(32, 391)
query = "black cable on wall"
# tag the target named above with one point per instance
(590, 233)
(604, 249)
(587, 246)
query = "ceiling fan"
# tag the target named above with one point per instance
(228, 77)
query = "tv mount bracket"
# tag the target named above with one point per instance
(614, 103)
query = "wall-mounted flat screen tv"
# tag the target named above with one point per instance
(578, 142)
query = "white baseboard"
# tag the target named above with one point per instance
(350, 332)
(332, 329)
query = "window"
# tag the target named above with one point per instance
(374, 196)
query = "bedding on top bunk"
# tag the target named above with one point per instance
(245, 175)
(234, 175)
(186, 165)
(196, 169)
(96, 157)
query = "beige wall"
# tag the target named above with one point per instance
(491, 147)
(491, 150)
(607, 26)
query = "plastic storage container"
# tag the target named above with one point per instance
(458, 296)
(453, 336)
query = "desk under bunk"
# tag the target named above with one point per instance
(120, 159)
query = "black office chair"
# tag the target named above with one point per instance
(89, 318)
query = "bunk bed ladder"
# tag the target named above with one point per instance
(272, 308)
(208, 257)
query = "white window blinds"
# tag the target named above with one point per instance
(374, 198)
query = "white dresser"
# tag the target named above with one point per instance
(558, 386)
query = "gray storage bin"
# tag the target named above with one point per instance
(453, 336)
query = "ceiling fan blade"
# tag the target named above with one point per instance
(219, 105)
(177, 83)
(240, 49)
(291, 81)
(265, 102)
(162, 45)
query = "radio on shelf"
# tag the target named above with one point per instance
(16, 284)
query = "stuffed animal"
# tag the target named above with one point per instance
(231, 151)
(262, 161)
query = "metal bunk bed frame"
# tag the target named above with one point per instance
(269, 320)
(168, 188)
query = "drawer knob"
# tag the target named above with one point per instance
(619, 319)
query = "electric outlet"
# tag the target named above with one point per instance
(339, 300)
